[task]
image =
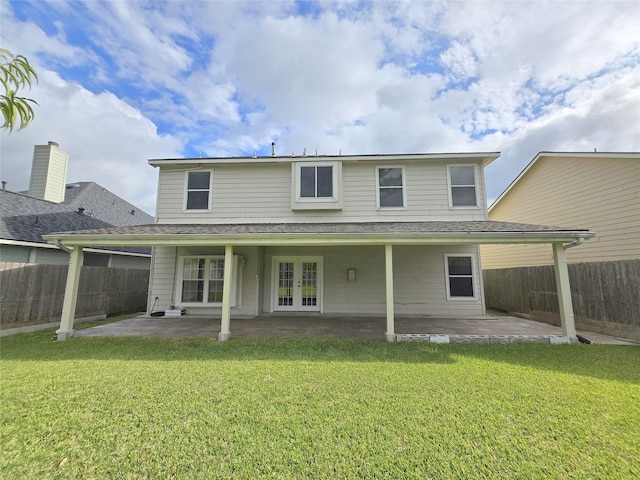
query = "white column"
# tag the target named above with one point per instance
(70, 295)
(388, 265)
(564, 291)
(225, 333)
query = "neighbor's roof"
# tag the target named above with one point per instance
(436, 232)
(544, 154)
(104, 205)
(27, 219)
(485, 157)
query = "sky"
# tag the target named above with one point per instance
(121, 82)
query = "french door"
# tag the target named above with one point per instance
(297, 284)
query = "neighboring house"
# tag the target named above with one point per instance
(50, 205)
(598, 191)
(357, 234)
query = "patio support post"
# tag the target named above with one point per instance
(70, 295)
(388, 263)
(564, 290)
(225, 333)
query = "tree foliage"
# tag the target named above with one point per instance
(16, 73)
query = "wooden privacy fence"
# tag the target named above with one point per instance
(32, 294)
(606, 295)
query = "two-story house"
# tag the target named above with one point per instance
(355, 234)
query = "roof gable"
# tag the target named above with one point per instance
(541, 156)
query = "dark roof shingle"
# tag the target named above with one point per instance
(25, 218)
(328, 228)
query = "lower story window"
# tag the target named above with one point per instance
(203, 280)
(460, 276)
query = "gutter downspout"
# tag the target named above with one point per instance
(579, 241)
(62, 247)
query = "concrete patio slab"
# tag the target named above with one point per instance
(324, 326)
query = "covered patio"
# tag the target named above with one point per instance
(384, 235)
(492, 329)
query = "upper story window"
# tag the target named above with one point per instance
(198, 191)
(316, 186)
(462, 186)
(390, 182)
(316, 182)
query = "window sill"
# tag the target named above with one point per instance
(317, 205)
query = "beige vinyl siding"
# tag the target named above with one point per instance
(419, 280)
(262, 193)
(165, 287)
(163, 263)
(594, 192)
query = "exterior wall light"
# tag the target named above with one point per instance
(351, 275)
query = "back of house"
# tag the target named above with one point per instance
(264, 202)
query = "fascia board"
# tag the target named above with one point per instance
(19, 243)
(485, 157)
(320, 239)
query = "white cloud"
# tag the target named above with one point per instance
(225, 78)
(108, 141)
(460, 61)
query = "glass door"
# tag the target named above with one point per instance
(297, 283)
(286, 283)
(309, 286)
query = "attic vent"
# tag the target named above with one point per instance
(81, 211)
(132, 212)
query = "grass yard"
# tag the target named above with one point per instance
(133, 408)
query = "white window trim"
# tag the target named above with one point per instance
(449, 186)
(474, 275)
(236, 281)
(186, 190)
(312, 203)
(404, 187)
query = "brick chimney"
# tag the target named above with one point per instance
(48, 172)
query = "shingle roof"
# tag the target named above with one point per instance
(27, 219)
(323, 234)
(329, 228)
(103, 204)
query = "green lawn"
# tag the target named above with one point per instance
(131, 408)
